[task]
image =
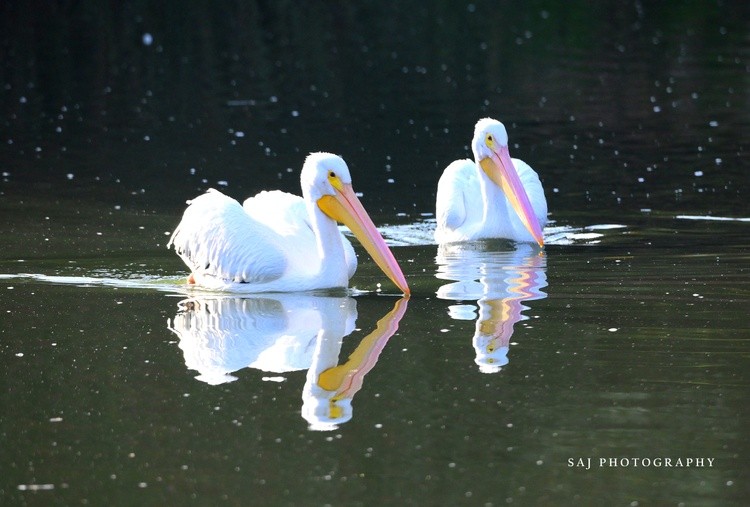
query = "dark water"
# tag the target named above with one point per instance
(625, 339)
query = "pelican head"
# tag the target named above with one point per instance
(326, 180)
(490, 147)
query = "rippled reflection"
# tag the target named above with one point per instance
(499, 282)
(281, 333)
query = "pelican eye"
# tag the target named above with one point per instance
(335, 181)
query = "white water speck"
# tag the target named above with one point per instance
(147, 39)
(612, 329)
(598, 227)
(273, 379)
(35, 487)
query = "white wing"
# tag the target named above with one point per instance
(459, 200)
(217, 238)
(287, 214)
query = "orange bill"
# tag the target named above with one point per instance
(344, 207)
(499, 167)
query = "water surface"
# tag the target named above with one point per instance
(625, 337)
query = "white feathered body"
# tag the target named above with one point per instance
(469, 206)
(266, 245)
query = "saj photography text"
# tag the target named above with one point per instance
(587, 463)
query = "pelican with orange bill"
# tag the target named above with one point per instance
(279, 242)
(492, 196)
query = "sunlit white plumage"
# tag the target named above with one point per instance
(278, 242)
(492, 196)
(288, 215)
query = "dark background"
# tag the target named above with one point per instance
(620, 106)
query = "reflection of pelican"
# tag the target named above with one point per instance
(278, 242)
(281, 333)
(500, 281)
(331, 386)
(492, 196)
(274, 333)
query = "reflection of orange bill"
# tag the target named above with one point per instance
(346, 379)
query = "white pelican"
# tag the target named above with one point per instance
(493, 196)
(278, 242)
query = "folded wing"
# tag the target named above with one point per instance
(218, 238)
